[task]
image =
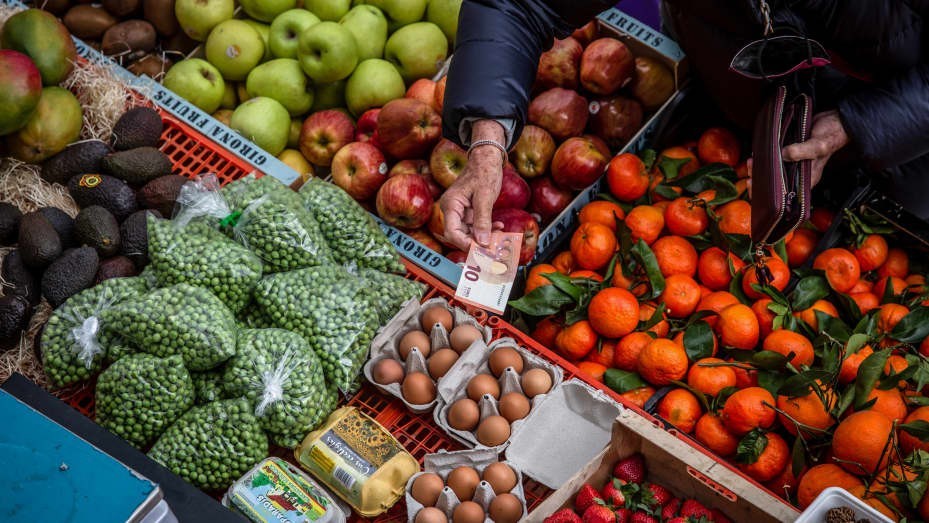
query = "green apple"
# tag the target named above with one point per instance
(327, 52)
(374, 83)
(399, 12)
(444, 13)
(283, 80)
(369, 27)
(286, 29)
(263, 121)
(235, 48)
(230, 100)
(198, 82)
(266, 10)
(198, 17)
(293, 140)
(417, 50)
(328, 10)
(329, 96)
(264, 30)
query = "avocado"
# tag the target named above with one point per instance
(9, 223)
(14, 318)
(115, 267)
(133, 237)
(96, 227)
(77, 158)
(38, 241)
(138, 127)
(138, 166)
(161, 193)
(106, 191)
(70, 274)
(19, 279)
(63, 224)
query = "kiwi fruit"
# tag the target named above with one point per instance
(88, 21)
(161, 15)
(56, 7)
(152, 65)
(121, 8)
(129, 37)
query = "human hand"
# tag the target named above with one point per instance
(468, 204)
(827, 136)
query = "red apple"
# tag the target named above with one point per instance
(533, 152)
(578, 163)
(418, 167)
(408, 128)
(601, 145)
(447, 161)
(562, 112)
(616, 120)
(518, 220)
(359, 169)
(423, 237)
(323, 134)
(422, 90)
(367, 124)
(439, 102)
(586, 34)
(436, 224)
(606, 66)
(548, 199)
(652, 84)
(560, 66)
(404, 201)
(459, 257)
(514, 191)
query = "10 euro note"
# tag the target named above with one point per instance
(488, 274)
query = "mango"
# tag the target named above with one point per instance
(40, 36)
(20, 89)
(55, 123)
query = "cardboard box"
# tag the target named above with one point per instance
(671, 462)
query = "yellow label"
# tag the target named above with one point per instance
(90, 180)
(321, 459)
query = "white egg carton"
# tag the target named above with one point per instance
(475, 361)
(833, 497)
(442, 463)
(384, 345)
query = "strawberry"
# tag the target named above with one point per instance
(717, 516)
(599, 514)
(623, 515)
(660, 494)
(692, 508)
(631, 469)
(564, 515)
(643, 517)
(677, 519)
(586, 497)
(612, 495)
(670, 510)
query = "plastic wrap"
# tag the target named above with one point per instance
(392, 291)
(211, 445)
(72, 344)
(351, 232)
(280, 375)
(180, 319)
(284, 237)
(140, 396)
(330, 308)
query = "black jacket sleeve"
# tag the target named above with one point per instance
(497, 53)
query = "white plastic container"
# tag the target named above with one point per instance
(834, 497)
(160, 514)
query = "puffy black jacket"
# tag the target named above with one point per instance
(881, 90)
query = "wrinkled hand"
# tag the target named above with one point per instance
(468, 204)
(827, 136)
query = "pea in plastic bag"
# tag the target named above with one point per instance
(284, 237)
(330, 308)
(392, 291)
(281, 376)
(208, 385)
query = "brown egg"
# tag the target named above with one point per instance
(468, 512)
(483, 384)
(464, 414)
(418, 388)
(535, 382)
(427, 488)
(412, 339)
(463, 481)
(387, 371)
(463, 336)
(514, 406)
(505, 357)
(430, 515)
(436, 314)
(506, 508)
(493, 431)
(500, 476)
(441, 361)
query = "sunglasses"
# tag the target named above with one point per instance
(777, 56)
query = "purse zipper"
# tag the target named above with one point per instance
(791, 195)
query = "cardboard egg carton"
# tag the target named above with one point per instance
(442, 463)
(384, 345)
